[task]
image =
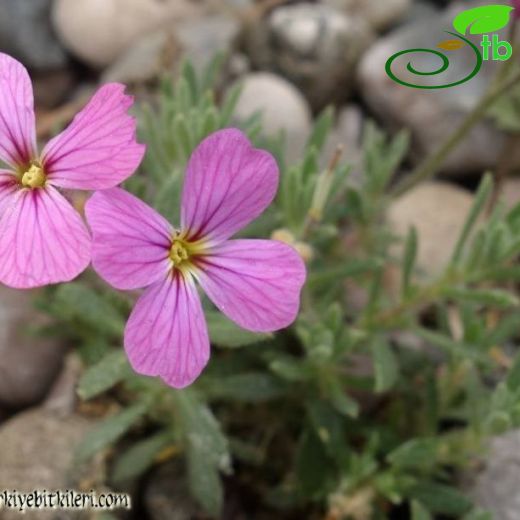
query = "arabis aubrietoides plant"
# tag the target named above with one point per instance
(256, 283)
(43, 240)
(377, 397)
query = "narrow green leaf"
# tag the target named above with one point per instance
(419, 512)
(415, 453)
(481, 198)
(386, 366)
(248, 387)
(102, 376)
(313, 468)
(348, 270)
(513, 377)
(188, 72)
(321, 129)
(487, 297)
(139, 458)
(229, 105)
(207, 450)
(204, 482)
(224, 333)
(109, 431)
(449, 345)
(290, 370)
(340, 400)
(76, 301)
(441, 499)
(410, 256)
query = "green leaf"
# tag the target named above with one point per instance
(136, 460)
(441, 499)
(415, 453)
(313, 467)
(78, 302)
(109, 431)
(290, 369)
(102, 376)
(340, 400)
(410, 255)
(513, 377)
(386, 366)
(252, 387)
(206, 447)
(224, 333)
(484, 191)
(419, 512)
(487, 297)
(204, 482)
(481, 20)
(230, 102)
(329, 426)
(348, 270)
(321, 129)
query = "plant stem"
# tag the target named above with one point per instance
(432, 163)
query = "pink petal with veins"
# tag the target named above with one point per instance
(228, 184)
(166, 334)
(8, 186)
(42, 239)
(131, 241)
(256, 283)
(98, 150)
(17, 128)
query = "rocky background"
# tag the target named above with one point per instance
(293, 59)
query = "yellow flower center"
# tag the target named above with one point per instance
(34, 177)
(178, 252)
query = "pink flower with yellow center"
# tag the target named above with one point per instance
(43, 239)
(256, 283)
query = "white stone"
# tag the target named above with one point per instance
(282, 106)
(438, 211)
(98, 31)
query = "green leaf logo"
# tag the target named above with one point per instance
(481, 20)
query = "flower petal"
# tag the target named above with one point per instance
(166, 334)
(256, 283)
(228, 184)
(130, 239)
(98, 150)
(42, 239)
(17, 128)
(8, 186)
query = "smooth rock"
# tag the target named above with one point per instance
(497, 488)
(202, 38)
(145, 60)
(380, 15)
(26, 33)
(313, 45)
(438, 211)
(38, 449)
(431, 115)
(510, 192)
(98, 31)
(282, 107)
(28, 363)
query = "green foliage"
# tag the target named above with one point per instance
(380, 403)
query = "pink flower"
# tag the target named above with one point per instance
(43, 239)
(256, 283)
